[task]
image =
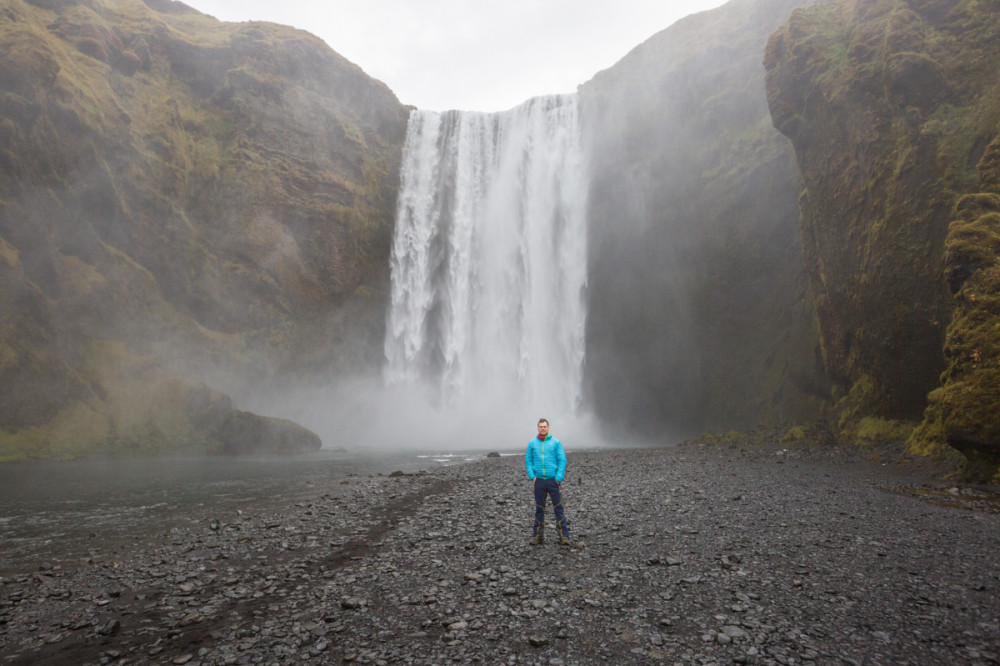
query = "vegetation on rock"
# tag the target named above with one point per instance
(889, 106)
(964, 412)
(135, 407)
(217, 198)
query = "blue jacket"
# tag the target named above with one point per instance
(545, 460)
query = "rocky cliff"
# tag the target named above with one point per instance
(894, 110)
(183, 203)
(701, 316)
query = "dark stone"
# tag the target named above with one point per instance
(110, 628)
(247, 433)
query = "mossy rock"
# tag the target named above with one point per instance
(889, 106)
(795, 435)
(873, 431)
(964, 413)
(245, 433)
(171, 183)
(137, 407)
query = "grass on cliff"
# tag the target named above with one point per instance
(141, 410)
(148, 179)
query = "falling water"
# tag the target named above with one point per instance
(489, 258)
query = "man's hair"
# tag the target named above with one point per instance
(541, 421)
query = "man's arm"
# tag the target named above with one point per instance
(529, 468)
(560, 462)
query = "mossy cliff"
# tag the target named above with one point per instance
(700, 313)
(213, 200)
(891, 105)
(964, 412)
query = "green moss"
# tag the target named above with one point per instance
(887, 133)
(871, 431)
(76, 431)
(795, 434)
(928, 439)
(964, 412)
(729, 437)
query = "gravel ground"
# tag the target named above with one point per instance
(685, 555)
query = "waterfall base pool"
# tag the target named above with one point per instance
(66, 513)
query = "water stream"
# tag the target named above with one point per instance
(489, 260)
(64, 513)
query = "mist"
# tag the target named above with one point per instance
(700, 317)
(364, 415)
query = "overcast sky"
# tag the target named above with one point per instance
(469, 54)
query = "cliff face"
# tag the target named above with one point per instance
(891, 107)
(700, 312)
(964, 412)
(216, 198)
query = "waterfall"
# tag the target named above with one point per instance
(489, 259)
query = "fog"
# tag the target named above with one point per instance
(363, 414)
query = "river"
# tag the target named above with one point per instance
(62, 514)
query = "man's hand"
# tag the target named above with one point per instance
(533, 480)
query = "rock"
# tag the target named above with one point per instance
(733, 631)
(246, 433)
(928, 70)
(193, 617)
(110, 628)
(242, 288)
(639, 120)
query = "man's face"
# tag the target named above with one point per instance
(543, 429)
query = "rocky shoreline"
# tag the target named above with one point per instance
(686, 555)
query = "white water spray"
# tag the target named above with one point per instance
(489, 261)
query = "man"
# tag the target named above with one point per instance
(545, 462)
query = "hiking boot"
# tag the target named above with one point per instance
(538, 539)
(564, 541)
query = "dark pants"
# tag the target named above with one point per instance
(549, 487)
